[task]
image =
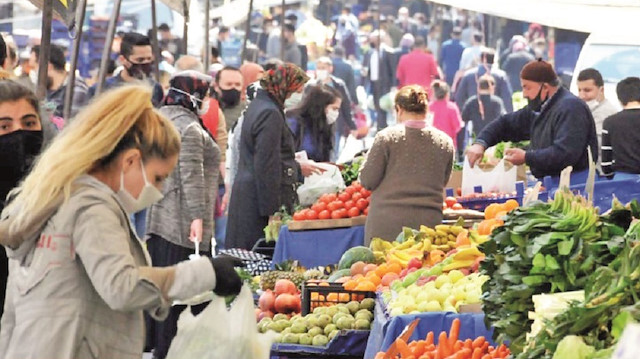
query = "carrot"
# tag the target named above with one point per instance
(403, 348)
(454, 332)
(429, 339)
(478, 342)
(468, 344)
(443, 346)
(464, 353)
(485, 347)
(477, 353)
(457, 346)
(486, 356)
(419, 348)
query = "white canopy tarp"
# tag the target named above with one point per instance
(235, 12)
(578, 15)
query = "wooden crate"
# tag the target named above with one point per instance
(327, 223)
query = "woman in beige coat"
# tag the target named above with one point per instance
(79, 278)
(406, 169)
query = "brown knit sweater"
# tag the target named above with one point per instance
(407, 169)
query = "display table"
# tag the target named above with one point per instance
(348, 344)
(318, 247)
(385, 330)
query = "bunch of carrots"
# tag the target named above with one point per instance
(448, 347)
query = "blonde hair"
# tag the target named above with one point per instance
(119, 120)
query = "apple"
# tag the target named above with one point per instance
(415, 262)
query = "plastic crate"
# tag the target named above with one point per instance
(314, 296)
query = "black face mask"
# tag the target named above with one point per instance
(18, 150)
(535, 104)
(140, 71)
(230, 97)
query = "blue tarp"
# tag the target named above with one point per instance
(347, 342)
(318, 247)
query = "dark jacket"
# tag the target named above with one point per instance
(513, 64)
(450, 58)
(267, 172)
(559, 135)
(493, 108)
(344, 71)
(468, 87)
(115, 81)
(79, 100)
(388, 65)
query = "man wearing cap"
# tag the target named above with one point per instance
(558, 124)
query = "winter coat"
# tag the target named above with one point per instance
(559, 134)
(267, 172)
(80, 279)
(468, 87)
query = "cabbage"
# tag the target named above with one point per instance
(573, 347)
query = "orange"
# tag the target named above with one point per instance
(332, 297)
(374, 278)
(369, 268)
(343, 279)
(491, 210)
(344, 297)
(324, 284)
(382, 270)
(314, 296)
(366, 286)
(394, 267)
(511, 204)
(483, 227)
(350, 284)
(358, 276)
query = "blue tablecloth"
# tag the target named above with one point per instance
(318, 247)
(385, 330)
(351, 343)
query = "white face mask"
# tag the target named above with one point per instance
(322, 74)
(593, 104)
(148, 196)
(332, 116)
(202, 110)
(293, 101)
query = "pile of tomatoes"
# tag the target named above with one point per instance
(352, 202)
(451, 203)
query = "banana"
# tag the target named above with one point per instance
(418, 246)
(426, 246)
(406, 244)
(443, 227)
(451, 237)
(441, 233)
(467, 253)
(428, 231)
(451, 244)
(456, 230)
(456, 264)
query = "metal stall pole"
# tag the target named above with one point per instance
(282, 32)
(75, 52)
(185, 26)
(107, 45)
(45, 45)
(154, 41)
(207, 46)
(247, 30)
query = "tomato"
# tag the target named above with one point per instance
(324, 214)
(328, 198)
(319, 207)
(343, 213)
(366, 211)
(354, 212)
(365, 193)
(362, 204)
(335, 205)
(356, 185)
(350, 190)
(450, 201)
(311, 214)
(299, 216)
(344, 196)
(457, 206)
(337, 214)
(349, 204)
(356, 196)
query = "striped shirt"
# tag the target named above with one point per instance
(620, 138)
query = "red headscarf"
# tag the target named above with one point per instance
(283, 81)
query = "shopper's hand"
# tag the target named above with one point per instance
(515, 155)
(225, 199)
(309, 169)
(196, 230)
(228, 282)
(475, 153)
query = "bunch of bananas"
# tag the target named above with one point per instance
(580, 216)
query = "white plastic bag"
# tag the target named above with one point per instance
(495, 180)
(220, 333)
(316, 185)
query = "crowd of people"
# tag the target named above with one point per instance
(206, 154)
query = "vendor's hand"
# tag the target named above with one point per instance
(196, 230)
(225, 199)
(228, 282)
(475, 153)
(515, 155)
(309, 169)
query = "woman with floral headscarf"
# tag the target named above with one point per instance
(185, 214)
(267, 170)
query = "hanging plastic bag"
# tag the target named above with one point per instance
(495, 180)
(316, 185)
(220, 333)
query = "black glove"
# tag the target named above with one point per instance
(228, 282)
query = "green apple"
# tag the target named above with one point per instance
(345, 323)
(329, 328)
(323, 320)
(320, 340)
(441, 280)
(305, 339)
(315, 331)
(455, 275)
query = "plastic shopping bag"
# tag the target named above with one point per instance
(220, 333)
(316, 185)
(497, 179)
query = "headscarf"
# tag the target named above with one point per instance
(251, 72)
(187, 89)
(283, 81)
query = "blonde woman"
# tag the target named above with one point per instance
(79, 278)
